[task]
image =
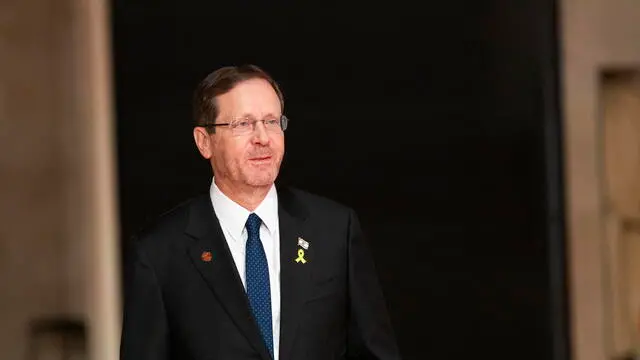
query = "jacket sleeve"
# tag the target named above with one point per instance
(144, 327)
(370, 332)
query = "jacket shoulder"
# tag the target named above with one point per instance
(319, 204)
(165, 230)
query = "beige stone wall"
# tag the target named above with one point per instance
(620, 115)
(596, 34)
(57, 227)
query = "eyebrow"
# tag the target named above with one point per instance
(250, 116)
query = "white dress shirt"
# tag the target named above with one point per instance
(233, 218)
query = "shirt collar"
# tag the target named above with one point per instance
(234, 217)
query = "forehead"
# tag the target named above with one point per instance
(255, 97)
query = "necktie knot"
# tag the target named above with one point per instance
(253, 225)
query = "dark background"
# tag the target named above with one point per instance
(438, 124)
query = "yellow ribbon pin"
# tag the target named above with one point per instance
(301, 257)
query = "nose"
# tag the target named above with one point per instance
(260, 135)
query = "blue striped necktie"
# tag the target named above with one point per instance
(257, 277)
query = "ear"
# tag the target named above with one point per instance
(203, 141)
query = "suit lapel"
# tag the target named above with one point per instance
(294, 276)
(219, 270)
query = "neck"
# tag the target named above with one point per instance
(249, 197)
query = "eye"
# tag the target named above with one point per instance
(243, 124)
(271, 122)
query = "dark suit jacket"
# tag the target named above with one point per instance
(180, 306)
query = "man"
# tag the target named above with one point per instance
(249, 271)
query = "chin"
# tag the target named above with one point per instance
(261, 179)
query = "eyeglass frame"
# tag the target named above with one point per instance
(284, 121)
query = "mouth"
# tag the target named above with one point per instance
(260, 159)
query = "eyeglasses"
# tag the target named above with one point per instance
(246, 126)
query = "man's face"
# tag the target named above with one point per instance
(251, 159)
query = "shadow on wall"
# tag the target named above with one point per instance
(57, 338)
